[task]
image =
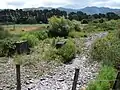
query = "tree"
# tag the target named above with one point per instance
(31, 20)
(96, 16)
(60, 26)
(111, 15)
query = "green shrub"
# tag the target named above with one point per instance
(98, 86)
(103, 80)
(60, 26)
(31, 38)
(41, 35)
(84, 21)
(5, 45)
(95, 21)
(89, 28)
(3, 33)
(98, 21)
(47, 50)
(51, 54)
(101, 20)
(75, 34)
(31, 20)
(77, 27)
(106, 50)
(107, 26)
(67, 51)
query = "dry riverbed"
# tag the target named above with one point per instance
(58, 78)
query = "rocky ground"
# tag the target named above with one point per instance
(28, 73)
(59, 78)
(62, 77)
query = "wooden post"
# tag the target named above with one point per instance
(75, 79)
(117, 82)
(18, 77)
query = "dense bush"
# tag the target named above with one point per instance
(31, 20)
(67, 51)
(95, 26)
(101, 20)
(5, 45)
(6, 42)
(41, 35)
(77, 26)
(98, 21)
(107, 26)
(95, 21)
(51, 54)
(3, 33)
(60, 26)
(89, 28)
(104, 80)
(31, 38)
(75, 34)
(84, 21)
(107, 50)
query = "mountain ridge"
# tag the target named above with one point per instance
(88, 10)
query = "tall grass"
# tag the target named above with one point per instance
(104, 80)
(106, 50)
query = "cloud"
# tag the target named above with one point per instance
(108, 3)
(59, 3)
(16, 3)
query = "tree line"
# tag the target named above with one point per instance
(20, 16)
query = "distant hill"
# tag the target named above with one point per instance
(39, 8)
(97, 10)
(68, 10)
(88, 10)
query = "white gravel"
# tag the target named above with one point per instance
(62, 77)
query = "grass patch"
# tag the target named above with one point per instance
(20, 28)
(106, 50)
(75, 34)
(104, 80)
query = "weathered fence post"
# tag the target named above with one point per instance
(117, 82)
(18, 77)
(75, 79)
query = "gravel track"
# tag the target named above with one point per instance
(62, 77)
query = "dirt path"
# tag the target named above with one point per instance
(62, 77)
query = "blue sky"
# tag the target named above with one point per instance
(77, 4)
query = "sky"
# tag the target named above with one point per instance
(76, 4)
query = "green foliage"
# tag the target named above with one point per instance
(95, 26)
(107, 50)
(5, 45)
(60, 26)
(106, 26)
(67, 51)
(98, 20)
(84, 21)
(47, 51)
(31, 20)
(51, 54)
(75, 34)
(95, 21)
(31, 38)
(89, 28)
(77, 25)
(104, 80)
(111, 15)
(118, 33)
(41, 35)
(101, 20)
(3, 33)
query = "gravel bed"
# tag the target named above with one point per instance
(61, 78)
